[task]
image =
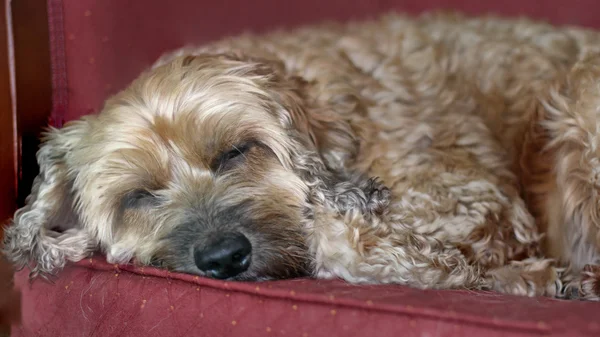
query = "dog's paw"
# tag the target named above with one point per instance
(590, 283)
(369, 196)
(531, 277)
(378, 196)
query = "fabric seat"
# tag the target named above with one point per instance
(94, 298)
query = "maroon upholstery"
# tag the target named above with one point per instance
(98, 47)
(98, 299)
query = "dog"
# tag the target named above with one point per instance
(436, 151)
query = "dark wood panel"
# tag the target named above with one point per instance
(9, 303)
(7, 128)
(33, 84)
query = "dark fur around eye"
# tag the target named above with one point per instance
(138, 199)
(233, 157)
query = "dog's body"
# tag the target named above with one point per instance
(482, 132)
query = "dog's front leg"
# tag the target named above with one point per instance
(360, 248)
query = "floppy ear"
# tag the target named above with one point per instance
(320, 120)
(46, 232)
(328, 119)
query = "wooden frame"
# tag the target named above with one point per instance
(8, 151)
(8, 147)
(25, 97)
(25, 104)
(33, 86)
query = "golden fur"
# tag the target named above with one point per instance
(482, 132)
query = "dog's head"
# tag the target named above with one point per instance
(208, 164)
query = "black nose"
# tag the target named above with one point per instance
(226, 257)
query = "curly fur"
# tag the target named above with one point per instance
(441, 151)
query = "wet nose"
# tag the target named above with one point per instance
(226, 257)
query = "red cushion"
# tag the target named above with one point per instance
(94, 298)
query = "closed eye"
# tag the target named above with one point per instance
(235, 153)
(233, 157)
(138, 199)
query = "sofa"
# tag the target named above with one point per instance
(95, 48)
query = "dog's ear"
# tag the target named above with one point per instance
(327, 117)
(46, 232)
(328, 130)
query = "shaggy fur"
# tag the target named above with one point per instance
(437, 152)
